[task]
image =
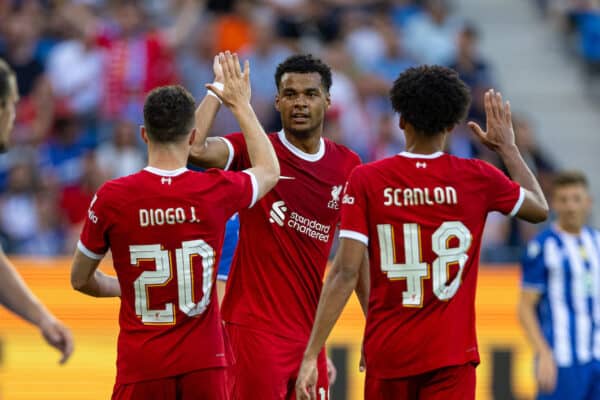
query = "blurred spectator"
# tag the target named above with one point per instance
(61, 157)
(264, 55)
(473, 70)
(390, 139)
(19, 49)
(18, 211)
(76, 64)
(430, 37)
(234, 30)
(49, 237)
(75, 199)
(121, 156)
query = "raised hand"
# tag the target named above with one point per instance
(499, 134)
(218, 70)
(306, 383)
(57, 336)
(236, 91)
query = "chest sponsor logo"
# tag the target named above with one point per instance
(283, 217)
(334, 203)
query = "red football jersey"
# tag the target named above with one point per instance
(422, 217)
(165, 230)
(277, 271)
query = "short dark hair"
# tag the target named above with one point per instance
(168, 113)
(430, 98)
(304, 64)
(568, 178)
(6, 75)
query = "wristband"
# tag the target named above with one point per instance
(219, 86)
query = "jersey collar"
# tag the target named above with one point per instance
(415, 155)
(164, 172)
(301, 154)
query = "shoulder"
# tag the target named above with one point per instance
(342, 151)
(542, 241)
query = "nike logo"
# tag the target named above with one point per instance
(287, 177)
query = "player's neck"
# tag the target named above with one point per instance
(420, 144)
(567, 228)
(309, 143)
(167, 157)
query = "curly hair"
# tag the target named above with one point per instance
(304, 64)
(430, 98)
(169, 113)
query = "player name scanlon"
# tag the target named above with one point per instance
(403, 197)
(168, 216)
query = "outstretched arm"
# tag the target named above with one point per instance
(546, 371)
(236, 96)
(340, 282)
(15, 296)
(500, 137)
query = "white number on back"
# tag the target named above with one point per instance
(163, 275)
(414, 270)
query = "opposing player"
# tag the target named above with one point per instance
(14, 294)
(421, 214)
(560, 299)
(164, 226)
(284, 243)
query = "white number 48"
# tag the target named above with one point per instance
(414, 270)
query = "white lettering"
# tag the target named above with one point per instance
(419, 196)
(159, 216)
(387, 193)
(144, 218)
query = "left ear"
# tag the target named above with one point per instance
(328, 99)
(143, 134)
(192, 137)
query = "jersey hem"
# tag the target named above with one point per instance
(519, 202)
(360, 237)
(88, 252)
(231, 152)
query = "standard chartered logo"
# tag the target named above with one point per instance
(301, 224)
(277, 213)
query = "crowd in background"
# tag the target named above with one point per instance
(83, 68)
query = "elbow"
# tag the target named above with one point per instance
(541, 215)
(78, 284)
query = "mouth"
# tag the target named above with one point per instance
(300, 118)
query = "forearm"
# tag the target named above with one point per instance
(100, 285)
(336, 291)
(363, 285)
(15, 295)
(530, 324)
(204, 117)
(520, 172)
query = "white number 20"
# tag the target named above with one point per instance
(163, 274)
(414, 270)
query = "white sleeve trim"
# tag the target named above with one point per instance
(231, 152)
(254, 188)
(222, 277)
(519, 203)
(88, 252)
(345, 233)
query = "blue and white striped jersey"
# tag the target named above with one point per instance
(565, 269)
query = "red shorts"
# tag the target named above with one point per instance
(205, 384)
(266, 366)
(451, 383)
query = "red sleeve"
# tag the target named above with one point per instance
(354, 209)
(238, 152)
(234, 190)
(93, 241)
(503, 194)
